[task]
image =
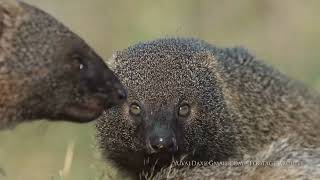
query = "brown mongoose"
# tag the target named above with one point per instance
(47, 71)
(281, 160)
(192, 100)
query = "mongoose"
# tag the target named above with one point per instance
(192, 100)
(281, 160)
(47, 71)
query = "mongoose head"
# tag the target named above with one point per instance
(57, 75)
(175, 107)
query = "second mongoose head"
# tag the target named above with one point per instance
(48, 72)
(175, 107)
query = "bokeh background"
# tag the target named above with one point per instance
(283, 33)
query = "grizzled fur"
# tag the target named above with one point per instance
(46, 71)
(238, 104)
(282, 160)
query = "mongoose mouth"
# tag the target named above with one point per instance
(159, 160)
(140, 160)
(163, 156)
(89, 109)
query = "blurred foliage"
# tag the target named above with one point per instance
(283, 33)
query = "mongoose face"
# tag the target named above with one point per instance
(49, 72)
(175, 108)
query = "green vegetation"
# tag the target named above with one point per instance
(284, 33)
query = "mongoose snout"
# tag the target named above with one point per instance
(161, 139)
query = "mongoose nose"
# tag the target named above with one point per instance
(163, 144)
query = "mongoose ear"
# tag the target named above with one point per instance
(207, 59)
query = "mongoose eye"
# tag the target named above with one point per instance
(184, 110)
(80, 62)
(81, 66)
(135, 109)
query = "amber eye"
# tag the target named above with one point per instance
(135, 109)
(184, 110)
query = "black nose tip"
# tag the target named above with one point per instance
(163, 144)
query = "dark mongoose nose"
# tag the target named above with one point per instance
(162, 144)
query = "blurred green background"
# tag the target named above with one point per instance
(284, 33)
